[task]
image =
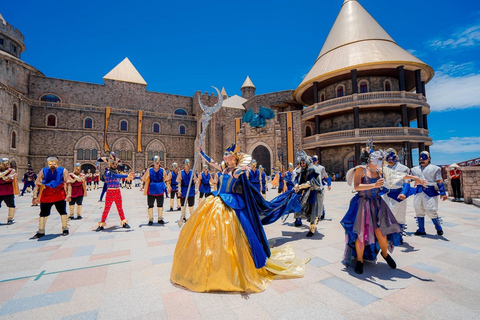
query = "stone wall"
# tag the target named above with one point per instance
(470, 183)
(375, 84)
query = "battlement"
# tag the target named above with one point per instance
(13, 35)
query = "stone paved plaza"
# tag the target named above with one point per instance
(124, 273)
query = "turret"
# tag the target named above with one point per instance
(11, 39)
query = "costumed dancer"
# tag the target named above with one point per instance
(254, 175)
(281, 180)
(104, 187)
(172, 178)
(183, 179)
(204, 188)
(369, 223)
(455, 174)
(426, 199)
(274, 178)
(79, 190)
(155, 189)
(137, 178)
(309, 183)
(28, 180)
(8, 188)
(223, 247)
(263, 181)
(396, 190)
(112, 180)
(89, 179)
(96, 179)
(326, 180)
(289, 177)
(52, 188)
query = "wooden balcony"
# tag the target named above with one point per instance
(370, 100)
(380, 135)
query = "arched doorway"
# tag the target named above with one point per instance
(262, 155)
(87, 166)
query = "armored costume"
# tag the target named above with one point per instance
(172, 178)
(8, 188)
(183, 180)
(112, 179)
(52, 188)
(79, 191)
(309, 182)
(426, 199)
(155, 189)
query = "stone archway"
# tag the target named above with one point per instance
(263, 157)
(155, 148)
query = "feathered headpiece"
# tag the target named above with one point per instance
(111, 159)
(233, 148)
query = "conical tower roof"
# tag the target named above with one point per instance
(125, 71)
(357, 41)
(248, 83)
(224, 92)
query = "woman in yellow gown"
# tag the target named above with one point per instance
(223, 246)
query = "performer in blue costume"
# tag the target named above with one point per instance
(155, 189)
(223, 246)
(263, 181)
(254, 175)
(183, 179)
(289, 177)
(173, 187)
(204, 184)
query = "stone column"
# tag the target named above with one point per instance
(356, 118)
(405, 122)
(357, 154)
(408, 147)
(425, 123)
(401, 78)
(418, 81)
(354, 80)
(318, 152)
(419, 117)
(423, 89)
(315, 100)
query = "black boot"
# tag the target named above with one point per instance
(359, 267)
(99, 228)
(126, 226)
(390, 261)
(161, 221)
(150, 223)
(37, 235)
(66, 232)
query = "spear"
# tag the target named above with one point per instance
(206, 117)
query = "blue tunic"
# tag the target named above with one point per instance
(254, 177)
(173, 182)
(185, 180)
(205, 185)
(157, 185)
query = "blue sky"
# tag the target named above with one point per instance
(180, 47)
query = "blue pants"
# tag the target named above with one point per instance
(28, 184)
(104, 189)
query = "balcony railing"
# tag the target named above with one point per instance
(386, 134)
(371, 99)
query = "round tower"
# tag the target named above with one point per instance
(363, 84)
(248, 89)
(11, 39)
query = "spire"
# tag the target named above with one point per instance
(2, 19)
(357, 41)
(125, 71)
(248, 83)
(224, 93)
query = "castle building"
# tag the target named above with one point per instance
(362, 85)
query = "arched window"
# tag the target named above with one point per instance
(363, 87)
(80, 154)
(180, 112)
(182, 129)
(388, 86)
(14, 140)
(88, 123)
(156, 128)
(51, 120)
(13, 165)
(340, 92)
(161, 155)
(308, 132)
(150, 155)
(123, 154)
(123, 125)
(15, 113)
(129, 155)
(50, 99)
(322, 97)
(351, 162)
(94, 154)
(87, 154)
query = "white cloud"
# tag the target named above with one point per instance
(446, 92)
(466, 38)
(457, 145)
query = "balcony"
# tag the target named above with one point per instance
(370, 100)
(381, 135)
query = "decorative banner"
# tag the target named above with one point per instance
(290, 152)
(238, 125)
(107, 118)
(139, 138)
